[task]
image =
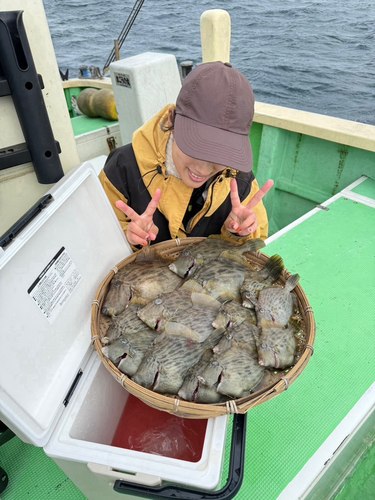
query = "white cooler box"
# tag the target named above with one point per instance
(54, 391)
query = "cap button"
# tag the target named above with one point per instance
(228, 64)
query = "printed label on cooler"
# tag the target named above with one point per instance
(123, 80)
(55, 284)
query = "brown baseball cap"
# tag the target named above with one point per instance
(214, 113)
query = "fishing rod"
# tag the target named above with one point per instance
(124, 33)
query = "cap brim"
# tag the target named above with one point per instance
(212, 144)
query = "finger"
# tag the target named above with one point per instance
(153, 232)
(234, 198)
(153, 205)
(136, 235)
(231, 229)
(249, 225)
(259, 195)
(231, 223)
(132, 214)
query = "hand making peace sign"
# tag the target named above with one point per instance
(141, 228)
(242, 220)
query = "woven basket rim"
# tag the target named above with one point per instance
(186, 409)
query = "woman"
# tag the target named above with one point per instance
(188, 170)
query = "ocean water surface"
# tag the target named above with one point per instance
(316, 55)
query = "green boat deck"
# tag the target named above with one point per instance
(84, 125)
(333, 252)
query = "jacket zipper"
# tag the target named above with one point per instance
(198, 216)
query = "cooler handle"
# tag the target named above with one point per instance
(230, 490)
(137, 478)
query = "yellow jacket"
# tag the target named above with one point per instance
(121, 180)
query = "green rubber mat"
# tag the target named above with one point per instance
(84, 124)
(34, 476)
(366, 188)
(333, 252)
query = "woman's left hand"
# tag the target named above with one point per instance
(243, 220)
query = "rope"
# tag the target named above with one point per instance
(95, 303)
(308, 346)
(286, 381)
(122, 380)
(115, 270)
(176, 405)
(125, 31)
(178, 241)
(308, 309)
(95, 337)
(231, 407)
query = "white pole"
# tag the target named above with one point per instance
(215, 35)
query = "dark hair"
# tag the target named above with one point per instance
(163, 123)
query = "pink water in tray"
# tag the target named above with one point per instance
(142, 428)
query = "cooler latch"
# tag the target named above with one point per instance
(23, 221)
(72, 388)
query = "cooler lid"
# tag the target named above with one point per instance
(49, 275)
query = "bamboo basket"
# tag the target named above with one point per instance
(280, 380)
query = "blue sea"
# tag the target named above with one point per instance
(316, 55)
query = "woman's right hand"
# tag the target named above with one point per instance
(141, 228)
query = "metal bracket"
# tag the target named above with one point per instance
(18, 78)
(111, 141)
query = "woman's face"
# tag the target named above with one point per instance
(194, 173)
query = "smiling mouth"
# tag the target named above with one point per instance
(195, 177)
